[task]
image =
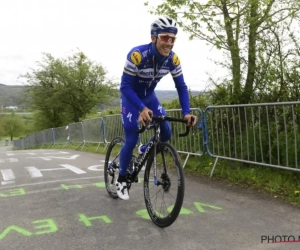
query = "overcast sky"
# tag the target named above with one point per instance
(104, 30)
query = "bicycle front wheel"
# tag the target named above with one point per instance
(164, 194)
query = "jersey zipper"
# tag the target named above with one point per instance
(155, 71)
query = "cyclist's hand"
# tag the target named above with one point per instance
(144, 116)
(188, 118)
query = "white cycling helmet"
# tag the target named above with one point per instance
(163, 24)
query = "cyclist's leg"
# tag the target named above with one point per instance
(165, 128)
(129, 115)
(129, 120)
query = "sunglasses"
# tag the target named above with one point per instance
(167, 38)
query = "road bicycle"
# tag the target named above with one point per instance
(163, 177)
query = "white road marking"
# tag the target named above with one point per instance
(7, 182)
(73, 157)
(34, 172)
(51, 169)
(42, 158)
(10, 160)
(36, 152)
(60, 152)
(96, 168)
(72, 168)
(20, 153)
(54, 189)
(8, 174)
(49, 158)
(55, 181)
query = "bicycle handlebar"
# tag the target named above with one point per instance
(171, 119)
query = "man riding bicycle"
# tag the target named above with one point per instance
(144, 67)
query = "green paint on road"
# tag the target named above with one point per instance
(87, 220)
(99, 184)
(48, 226)
(15, 228)
(48, 223)
(13, 192)
(143, 214)
(182, 211)
(200, 206)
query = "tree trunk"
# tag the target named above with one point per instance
(253, 26)
(235, 54)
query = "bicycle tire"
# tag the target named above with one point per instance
(110, 175)
(177, 185)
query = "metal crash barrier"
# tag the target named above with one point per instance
(265, 134)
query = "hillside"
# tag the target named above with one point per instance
(168, 95)
(13, 95)
(16, 95)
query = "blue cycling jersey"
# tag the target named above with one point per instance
(143, 70)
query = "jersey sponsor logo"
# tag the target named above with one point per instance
(136, 57)
(162, 73)
(145, 53)
(175, 60)
(146, 73)
(159, 108)
(129, 116)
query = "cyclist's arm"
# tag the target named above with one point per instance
(182, 89)
(127, 80)
(127, 91)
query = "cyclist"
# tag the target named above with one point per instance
(144, 67)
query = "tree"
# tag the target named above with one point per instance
(12, 125)
(238, 28)
(65, 90)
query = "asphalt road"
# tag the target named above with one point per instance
(56, 199)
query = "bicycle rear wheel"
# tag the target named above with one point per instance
(164, 196)
(112, 165)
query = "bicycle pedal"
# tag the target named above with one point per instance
(136, 180)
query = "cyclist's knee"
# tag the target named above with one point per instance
(131, 139)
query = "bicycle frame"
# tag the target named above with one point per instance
(152, 143)
(141, 159)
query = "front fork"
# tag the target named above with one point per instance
(164, 175)
(156, 182)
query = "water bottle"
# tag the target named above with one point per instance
(141, 149)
